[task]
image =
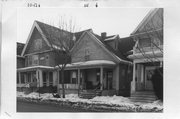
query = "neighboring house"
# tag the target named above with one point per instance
(97, 62)
(148, 50)
(20, 60)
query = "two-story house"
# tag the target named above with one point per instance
(148, 50)
(39, 58)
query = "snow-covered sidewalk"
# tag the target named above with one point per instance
(105, 102)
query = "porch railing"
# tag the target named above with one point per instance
(69, 86)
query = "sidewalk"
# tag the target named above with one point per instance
(99, 103)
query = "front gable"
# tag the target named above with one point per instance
(152, 21)
(35, 43)
(88, 49)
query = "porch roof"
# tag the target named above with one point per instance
(34, 68)
(90, 64)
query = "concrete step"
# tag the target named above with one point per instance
(143, 96)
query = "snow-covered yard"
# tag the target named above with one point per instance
(108, 102)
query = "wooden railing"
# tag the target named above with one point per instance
(69, 86)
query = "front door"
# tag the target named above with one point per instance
(148, 74)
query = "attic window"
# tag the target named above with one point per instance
(87, 54)
(38, 43)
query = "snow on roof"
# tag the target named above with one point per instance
(90, 63)
(35, 67)
(111, 38)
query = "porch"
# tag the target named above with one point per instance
(36, 77)
(90, 77)
(142, 73)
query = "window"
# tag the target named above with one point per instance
(47, 59)
(35, 60)
(87, 54)
(108, 80)
(70, 77)
(74, 77)
(29, 77)
(22, 77)
(155, 42)
(98, 75)
(66, 77)
(34, 77)
(30, 60)
(146, 42)
(38, 44)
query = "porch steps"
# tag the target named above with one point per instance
(143, 97)
(89, 94)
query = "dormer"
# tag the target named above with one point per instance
(111, 41)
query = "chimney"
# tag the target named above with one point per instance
(103, 35)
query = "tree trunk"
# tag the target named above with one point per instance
(62, 81)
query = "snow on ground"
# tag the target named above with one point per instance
(108, 100)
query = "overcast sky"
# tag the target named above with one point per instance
(120, 21)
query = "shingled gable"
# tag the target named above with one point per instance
(147, 18)
(51, 34)
(35, 25)
(107, 49)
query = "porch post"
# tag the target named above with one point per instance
(101, 78)
(37, 78)
(78, 81)
(79, 77)
(58, 92)
(133, 83)
(40, 78)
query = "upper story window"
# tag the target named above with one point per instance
(33, 60)
(87, 54)
(38, 44)
(155, 42)
(147, 42)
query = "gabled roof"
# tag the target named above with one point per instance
(78, 34)
(124, 45)
(51, 31)
(115, 54)
(153, 14)
(20, 47)
(51, 34)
